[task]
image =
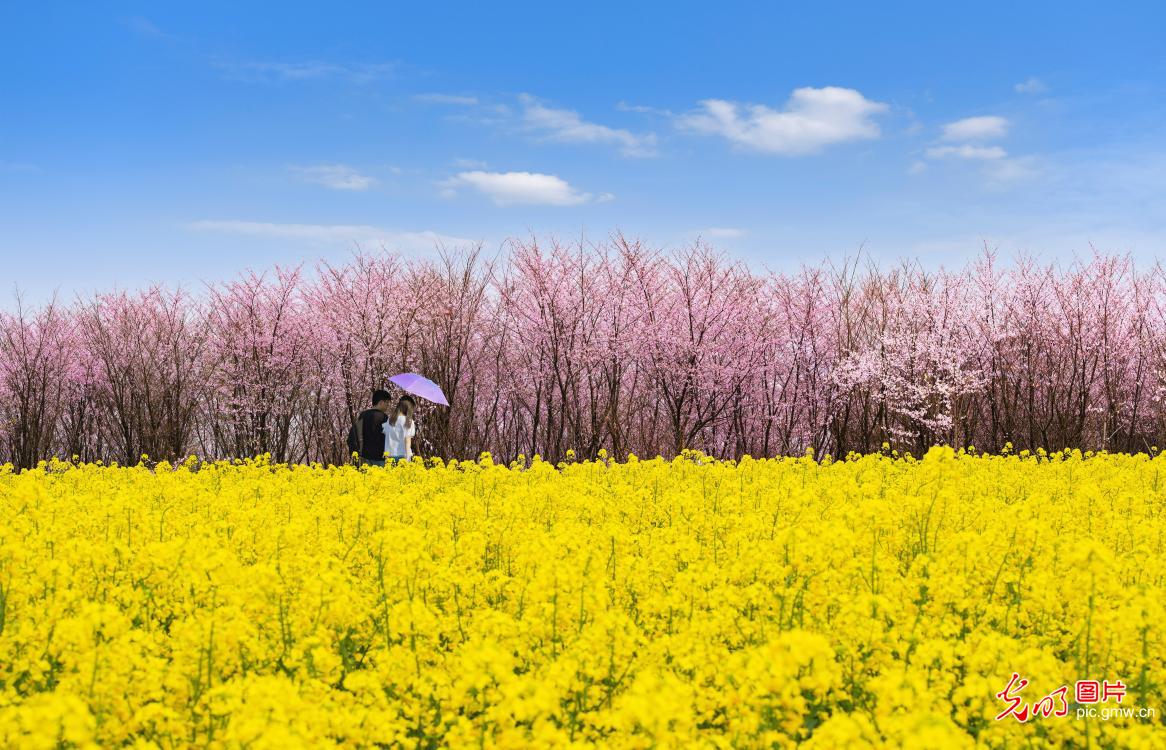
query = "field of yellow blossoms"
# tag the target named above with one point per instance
(870, 602)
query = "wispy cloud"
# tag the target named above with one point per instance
(451, 99)
(335, 177)
(483, 115)
(309, 70)
(331, 235)
(1031, 86)
(1005, 172)
(512, 188)
(144, 27)
(724, 233)
(812, 119)
(643, 109)
(967, 151)
(470, 164)
(982, 128)
(964, 139)
(567, 126)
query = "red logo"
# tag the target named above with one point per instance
(1055, 703)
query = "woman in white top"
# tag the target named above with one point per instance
(399, 430)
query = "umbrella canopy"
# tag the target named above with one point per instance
(419, 385)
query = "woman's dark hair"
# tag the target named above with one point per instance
(400, 409)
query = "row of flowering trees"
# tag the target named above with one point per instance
(616, 347)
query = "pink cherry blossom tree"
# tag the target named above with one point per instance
(573, 347)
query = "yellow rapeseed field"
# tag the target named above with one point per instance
(870, 602)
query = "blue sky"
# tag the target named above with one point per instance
(148, 142)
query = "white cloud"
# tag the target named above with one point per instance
(1000, 169)
(455, 99)
(335, 177)
(918, 167)
(967, 151)
(510, 188)
(566, 126)
(1031, 86)
(331, 234)
(975, 128)
(812, 119)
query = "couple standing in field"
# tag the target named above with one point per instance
(384, 432)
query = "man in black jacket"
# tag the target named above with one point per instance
(367, 438)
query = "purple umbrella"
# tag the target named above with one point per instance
(419, 385)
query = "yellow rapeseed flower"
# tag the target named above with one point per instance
(868, 602)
